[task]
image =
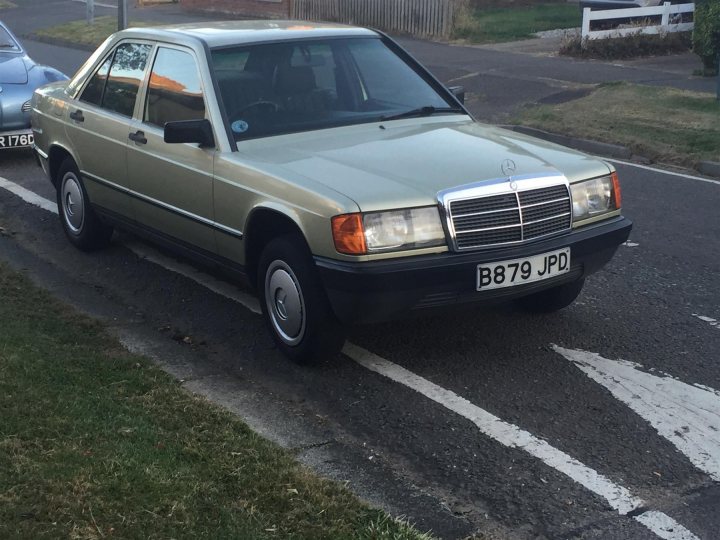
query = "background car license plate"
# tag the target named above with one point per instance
(16, 140)
(521, 271)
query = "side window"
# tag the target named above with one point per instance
(174, 92)
(94, 90)
(125, 77)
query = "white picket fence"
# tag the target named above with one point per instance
(667, 11)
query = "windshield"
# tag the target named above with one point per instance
(7, 43)
(277, 88)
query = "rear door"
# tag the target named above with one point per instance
(172, 183)
(99, 121)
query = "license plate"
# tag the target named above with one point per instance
(521, 271)
(16, 140)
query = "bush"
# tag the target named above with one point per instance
(631, 46)
(706, 37)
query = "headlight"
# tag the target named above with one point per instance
(377, 232)
(595, 197)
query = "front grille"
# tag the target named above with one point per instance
(510, 217)
(25, 106)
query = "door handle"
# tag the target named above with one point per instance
(138, 137)
(77, 116)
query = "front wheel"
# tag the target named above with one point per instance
(553, 299)
(81, 225)
(294, 303)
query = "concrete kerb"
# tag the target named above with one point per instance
(594, 147)
(708, 168)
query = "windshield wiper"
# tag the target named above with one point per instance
(423, 111)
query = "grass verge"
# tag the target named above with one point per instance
(496, 25)
(97, 442)
(84, 34)
(7, 4)
(663, 124)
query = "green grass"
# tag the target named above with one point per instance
(509, 24)
(84, 34)
(96, 442)
(666, 125)
(7, 4)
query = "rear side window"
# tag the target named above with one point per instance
(125, 77)
(174, 91)
(94, 90)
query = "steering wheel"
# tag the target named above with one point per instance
(262, 103)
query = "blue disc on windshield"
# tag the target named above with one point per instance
(240, 126)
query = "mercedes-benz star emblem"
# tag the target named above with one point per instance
(508, 167)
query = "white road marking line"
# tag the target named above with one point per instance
(710, 320)
(663, 171)
(630, 244)
(686, 415)
(28, 196)
(664, 526)
(618, 497)
(507, 434)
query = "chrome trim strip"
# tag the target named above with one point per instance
(165, 206)
(500, 227)
(546, 219)
(509, 209)
(545, 202)
(40, 152)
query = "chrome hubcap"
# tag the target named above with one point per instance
(285, 303)
(72, 203)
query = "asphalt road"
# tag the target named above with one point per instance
(487, 421)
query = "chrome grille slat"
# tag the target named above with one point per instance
(483, 221)
(510, 218)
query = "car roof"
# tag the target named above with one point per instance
(226, 33)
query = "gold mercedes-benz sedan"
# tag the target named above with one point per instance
(326, 166)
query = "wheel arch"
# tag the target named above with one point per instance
(264, 224)
(56, 156)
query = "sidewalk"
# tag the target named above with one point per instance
(499, 79)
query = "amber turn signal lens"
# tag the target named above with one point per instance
(348, 234)
(617, 194)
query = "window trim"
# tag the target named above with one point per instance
(110, 57)
(98, 65)
(145, 86)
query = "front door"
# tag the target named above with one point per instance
(172, 183)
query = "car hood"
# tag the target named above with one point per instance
(12, 69)
(406, 163)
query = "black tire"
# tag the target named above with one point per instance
(81, 224)
(552, 300)
(294, 303)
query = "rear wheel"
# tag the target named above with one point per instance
(79, 221)
(553, 299)
(294, 303)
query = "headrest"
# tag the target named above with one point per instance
(292, 80)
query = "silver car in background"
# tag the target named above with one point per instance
(19, 77)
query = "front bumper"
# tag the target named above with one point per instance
(384, 290)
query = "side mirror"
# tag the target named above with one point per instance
(458, 92)
(190, 131)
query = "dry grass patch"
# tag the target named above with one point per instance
(664, 124)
